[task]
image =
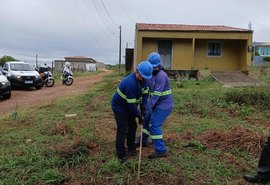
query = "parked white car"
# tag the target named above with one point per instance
(22, 74)
(5, 89)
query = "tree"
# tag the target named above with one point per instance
(6, 58)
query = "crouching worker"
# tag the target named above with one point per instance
(159, 107)
(131, 92)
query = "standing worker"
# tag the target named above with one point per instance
(263, 171)
(131, 92)
(159, 107)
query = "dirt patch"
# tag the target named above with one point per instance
(29, 98)
(235, 138)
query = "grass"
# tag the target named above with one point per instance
(41, 146)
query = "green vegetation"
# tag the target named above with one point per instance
(266, 59)
(214, 136)
(5, 58)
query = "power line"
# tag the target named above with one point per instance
(121, 4)
(120, 37)
(101, 17)
(108, 13)
(88, 27)
(98, 22)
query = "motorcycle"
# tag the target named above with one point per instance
(46, 76)
(67, 78)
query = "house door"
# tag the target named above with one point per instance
(165, 51)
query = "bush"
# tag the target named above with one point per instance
(267, 59)
(257, 53)
(259, 97)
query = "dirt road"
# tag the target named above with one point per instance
(28, 98)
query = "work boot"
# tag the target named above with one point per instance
(156, 155)
(122, 159)
(255, 179)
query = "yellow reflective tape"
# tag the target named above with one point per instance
(146, 132)
(157, 137)
(164, 93)
(157, 93)
(121, 94)
(131, 100)
(145, 91)
(125, 97)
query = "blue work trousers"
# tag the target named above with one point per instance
(152, 127)
(126, 133)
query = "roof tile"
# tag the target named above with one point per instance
(184, 27)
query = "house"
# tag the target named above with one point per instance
(78, 63)
(185, 48)
(261, 50)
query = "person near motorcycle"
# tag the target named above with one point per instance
(159, 107)
(46, 75)
(131, 92)
(66, 70)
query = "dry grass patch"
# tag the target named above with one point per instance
(258, 121)
(236, 138)
(61, 129)
(69, 148)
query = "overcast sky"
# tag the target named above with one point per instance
(54, 29)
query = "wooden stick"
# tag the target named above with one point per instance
(140, 153)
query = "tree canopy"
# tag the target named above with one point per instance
(6, 58)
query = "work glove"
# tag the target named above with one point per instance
(140, 119)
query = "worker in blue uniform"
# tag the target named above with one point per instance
(131, 92)
(159, 107)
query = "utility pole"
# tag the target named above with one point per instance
(36, 60)
(119, 49)
(250, 25)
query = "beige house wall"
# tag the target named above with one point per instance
(235, 55)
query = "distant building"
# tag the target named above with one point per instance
(195, 47)
(78, 63)
(261, 50)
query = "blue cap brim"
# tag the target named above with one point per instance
(155, 65)
(146, 77)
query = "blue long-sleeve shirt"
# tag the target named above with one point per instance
(130, 93)
(160, 91)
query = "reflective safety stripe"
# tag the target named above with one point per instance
(125, 97)
(146, 132)
(145, 91)
(152, 136)
(157, 137)
(164, 93)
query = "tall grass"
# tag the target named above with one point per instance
(42, 146)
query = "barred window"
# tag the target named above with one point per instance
(214, 49)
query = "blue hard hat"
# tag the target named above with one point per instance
(145, 69)
(154, 59)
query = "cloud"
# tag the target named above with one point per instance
(55, 29)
